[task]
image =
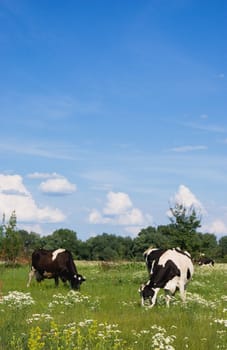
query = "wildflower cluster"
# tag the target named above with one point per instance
(88, 334)
(71, 298)
(15, 299)
(221, 321)
(39, 317)
(196, 298)
(129, 303)
(221, 333)
(35, 339)
(156, 338)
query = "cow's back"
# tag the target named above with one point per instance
(181, 260)
(152, 256)
(42, 260)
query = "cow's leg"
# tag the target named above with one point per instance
(168, 295)
(31, 275)
(182, 289)
(153, 299)
(56, 281)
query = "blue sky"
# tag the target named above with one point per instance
(110, 112)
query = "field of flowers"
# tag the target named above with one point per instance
(106, 313)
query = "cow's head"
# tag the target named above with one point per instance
(147, 293)
(76, 281)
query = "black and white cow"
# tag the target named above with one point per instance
(169, 269)
(55, 264)
(205, 261)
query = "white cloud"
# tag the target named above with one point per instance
(133, 230)
(59, 186)
(117, 203)
(31, 228)
(209, 128)
(189, 148)
(119, 210)
(133, 216)
(186, 198)
(12, 184)
(218, 227)
(95, 217)
(37, 175)
(15, 196)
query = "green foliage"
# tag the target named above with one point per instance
(185, 222)
(11, 243)
(109, 247)
(223, 246)
(149, 237)
(181, 232)
(63, 238)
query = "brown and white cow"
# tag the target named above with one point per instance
(169, 269)
(55, 264)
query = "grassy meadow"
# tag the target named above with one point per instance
(106, 313)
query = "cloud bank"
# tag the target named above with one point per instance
(119, 210)
(15, 196)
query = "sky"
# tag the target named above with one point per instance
(111, 112)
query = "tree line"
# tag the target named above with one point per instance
(182, 232)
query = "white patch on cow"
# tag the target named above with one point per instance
(152, 267)
(187, 253)
(140, 290)
(184, 263)
(56, 252)
(141, 287)
(183, 251)
(146, 254)
(172, 284)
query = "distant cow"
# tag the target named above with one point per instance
(205, 261)
(55, 264)
(169, 269)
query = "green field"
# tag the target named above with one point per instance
(106, 313)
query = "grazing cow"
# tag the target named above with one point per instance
(55, 264)
(169, 269)
(205, 261)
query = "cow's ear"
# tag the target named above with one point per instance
(141, 288)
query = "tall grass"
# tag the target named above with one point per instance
(106, 313)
